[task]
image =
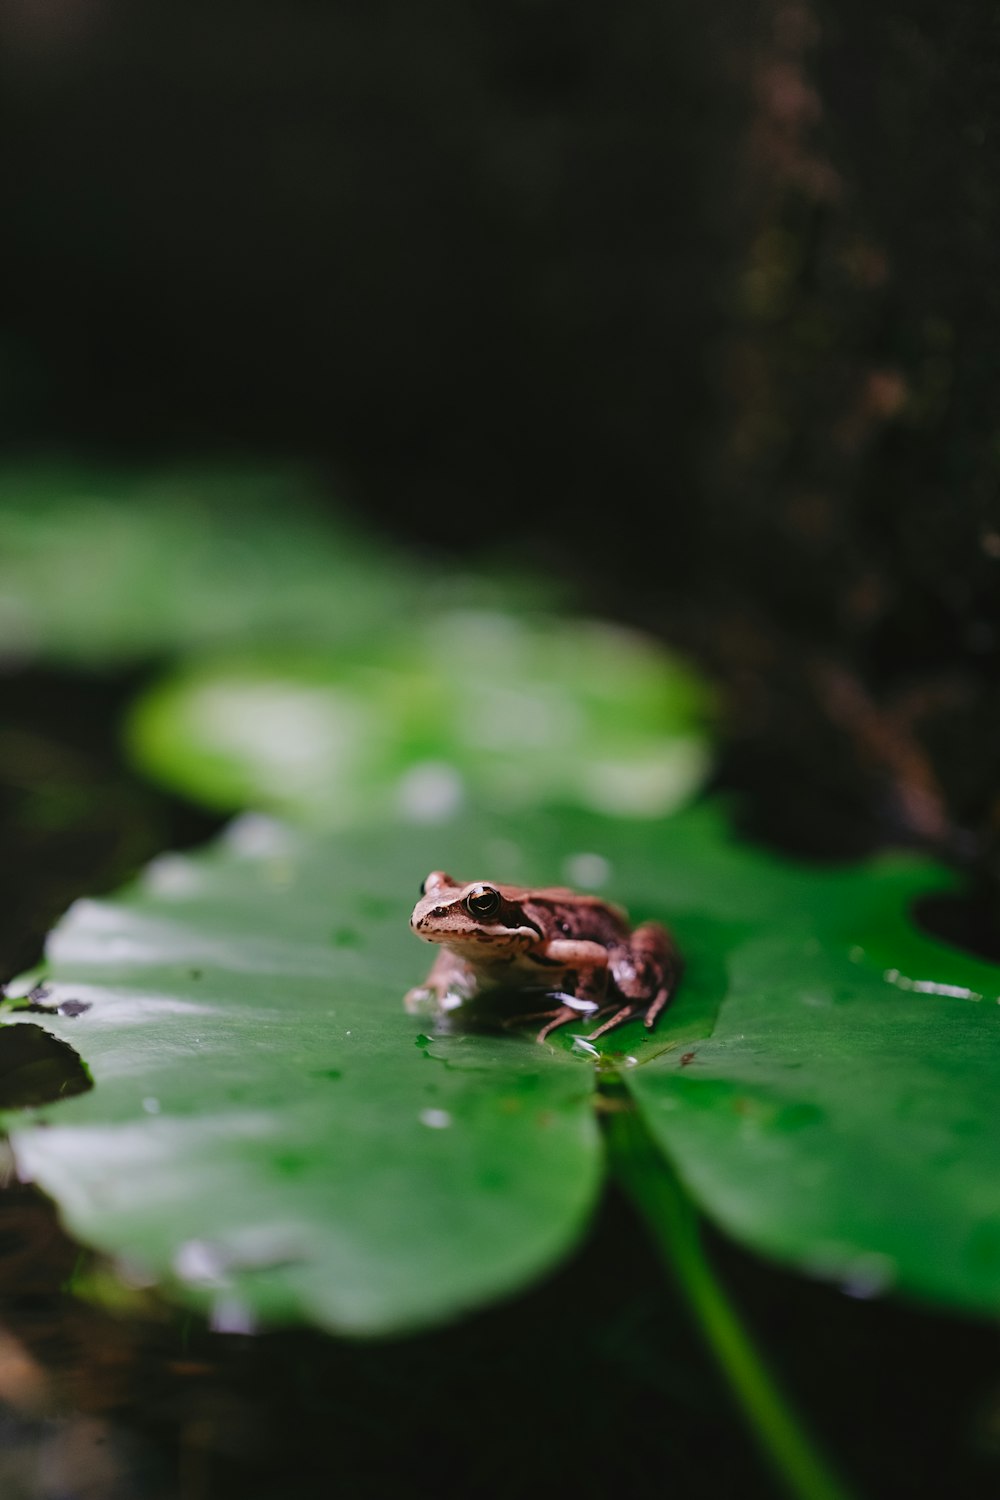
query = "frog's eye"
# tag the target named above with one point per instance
(423, 888)
(483, 901)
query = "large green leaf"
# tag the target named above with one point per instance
(839, 1110)
(269, 1134)
(467, 704)
(842, 1114)
(268, 1130)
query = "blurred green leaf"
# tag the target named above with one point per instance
(461, 706)
(98, 568)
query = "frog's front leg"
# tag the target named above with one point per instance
(449, 975)
(646, 971)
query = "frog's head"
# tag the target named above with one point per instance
(476, 920)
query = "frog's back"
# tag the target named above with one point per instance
(570, 914)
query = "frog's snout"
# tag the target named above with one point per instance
(422, 921)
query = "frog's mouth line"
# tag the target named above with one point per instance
(502, 942)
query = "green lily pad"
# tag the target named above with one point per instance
(841, 1115)
(271, 1136)
(511, 711)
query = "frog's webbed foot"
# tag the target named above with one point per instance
(434, 999)
(557, 1018)
(625, 1013)
(571, 1008)
(447, 986)
(632, 1009)
(422, 999)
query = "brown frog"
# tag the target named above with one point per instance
(577, 950)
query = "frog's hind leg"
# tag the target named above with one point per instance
(649, 1020)
(646, 971)
(630, 1010)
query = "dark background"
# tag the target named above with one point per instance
(695, 307)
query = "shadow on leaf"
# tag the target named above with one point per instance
(37, 1068)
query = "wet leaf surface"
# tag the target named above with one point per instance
(840, 1115)
(272, 1137)
(270, 1134)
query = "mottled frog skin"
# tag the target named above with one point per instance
(577, 950)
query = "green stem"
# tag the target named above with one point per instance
(673, 1221)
